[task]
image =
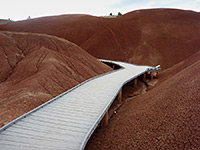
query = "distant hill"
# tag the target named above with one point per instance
(151, 37)
(75, 28)
(4, 21)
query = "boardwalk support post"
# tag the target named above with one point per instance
(157, 74)
(151, 75)
(114, 66)
(119, 96)
(144, 76)
(105, 119)
(135, 83)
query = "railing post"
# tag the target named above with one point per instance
(105, 119)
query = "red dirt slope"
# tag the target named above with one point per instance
(151, 37)
(75, 28)
(4, 21)
(166, 117)
(35, 68)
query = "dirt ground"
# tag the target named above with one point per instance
(164, 117)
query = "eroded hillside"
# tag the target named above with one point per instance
(149, 37)
(166, 117)
(35, 68)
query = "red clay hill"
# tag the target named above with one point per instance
(75, 28)
(4, 21)
(151, 37)
(166, 117)
(35, 68)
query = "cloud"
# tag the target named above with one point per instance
(21, 9)
(129, 5)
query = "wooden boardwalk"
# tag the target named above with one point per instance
(69, 120)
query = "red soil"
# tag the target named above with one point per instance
(166, 117)
(75, 28)
(3, 21)
(35, 68)
(150, 37)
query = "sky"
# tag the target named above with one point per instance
(21, 9)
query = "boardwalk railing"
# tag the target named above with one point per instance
(69, 119)
(51, 100)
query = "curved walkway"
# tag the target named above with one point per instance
(68, 121)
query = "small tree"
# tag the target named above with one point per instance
(119, 14)
(110, 14)
(29, 17)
